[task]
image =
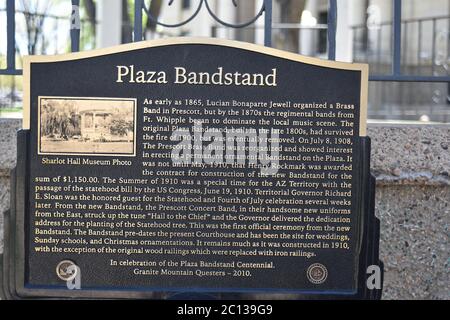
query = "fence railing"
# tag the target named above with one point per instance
(425, 46)
(309, 34)
(41, 29)
(265, 11)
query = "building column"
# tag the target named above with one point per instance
(344, 34)
(109, 23)
(94, 129)
(227, 12)
(308, 36)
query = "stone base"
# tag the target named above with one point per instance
(412, 166)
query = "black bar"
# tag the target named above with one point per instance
(448, 92)
(404, 52)
(74, 28)
(138, 20)
(11, 30)
(11, 72)
(268, 23)
(332, 21)
(397, 45)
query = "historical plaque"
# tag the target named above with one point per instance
(191, 165)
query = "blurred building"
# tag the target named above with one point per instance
(411, 163)
(364, 34)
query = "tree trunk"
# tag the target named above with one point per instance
(127, 28)
(89, 6)
(365, 32)
(155, 10)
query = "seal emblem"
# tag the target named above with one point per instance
(317, 273)
(65, 270)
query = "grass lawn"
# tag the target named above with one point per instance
(12, 113)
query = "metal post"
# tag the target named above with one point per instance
(419, 46)
(332, 21)
(404, 52)
(379, 43)
(11, 30)
(75, 26)
(448, 92)
(433, 48)
(268, 23)
(397, 39)
(138, 4)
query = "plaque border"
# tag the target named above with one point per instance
(18, 220)
(362, 67)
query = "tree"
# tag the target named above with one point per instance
(120, 126)
(35, 14)
(59, 118)
(128, 18)
(127, 28)
(90, 8)
(155, 10)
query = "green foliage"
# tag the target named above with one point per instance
(59, 118)
(120, 126)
